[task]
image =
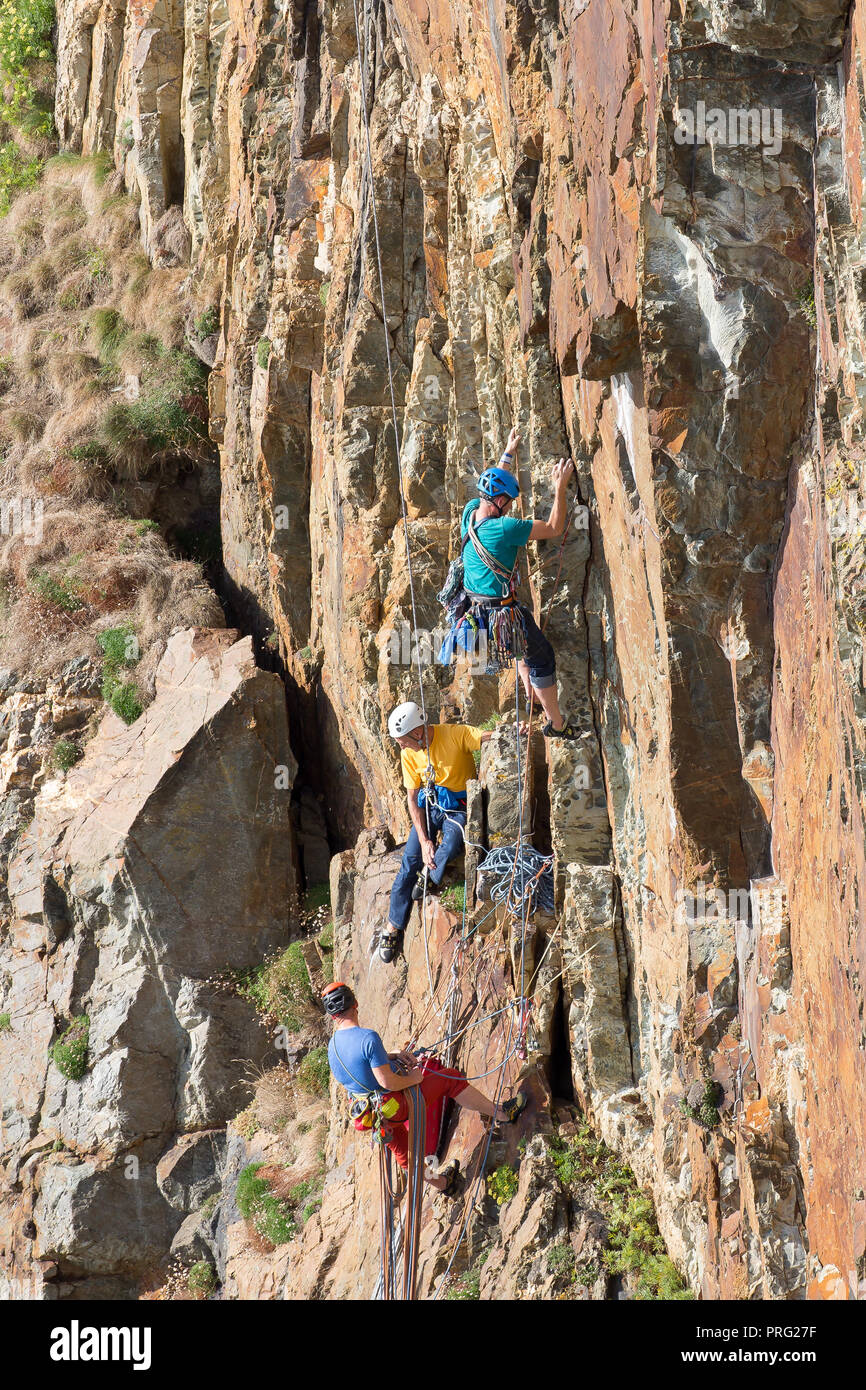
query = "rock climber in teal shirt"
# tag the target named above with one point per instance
(503, 537)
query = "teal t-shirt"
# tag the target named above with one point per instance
(503, 536)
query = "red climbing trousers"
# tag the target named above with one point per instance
(438, 1084)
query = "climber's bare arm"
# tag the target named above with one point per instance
(390, 1080)
(428, 849)
(554, 526)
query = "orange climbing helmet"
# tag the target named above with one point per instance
(337, 998)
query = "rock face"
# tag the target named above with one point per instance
(636, 230)
(162, 860)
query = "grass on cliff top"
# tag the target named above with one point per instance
(97, 395)
(634, 1245)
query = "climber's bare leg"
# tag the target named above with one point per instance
(549, 701)
(524, 676)
(471, 1099)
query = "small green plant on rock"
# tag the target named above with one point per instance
(201, 1279)
(466, 1287)
(269, 1215)
(120, 650)
(560, 1259)
(58, 592)
(454, 898)
(69, 1053)
(706, 1112)
(502, 1184)
(5, 1023)
(314, 1073)
(634, 1244)
(280, 988)
(65, 754)
(806, 299)
(206, 324)
(263, 351)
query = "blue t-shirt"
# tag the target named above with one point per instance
(352, 1054)
(503, 536)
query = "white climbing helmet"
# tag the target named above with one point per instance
(404, 719)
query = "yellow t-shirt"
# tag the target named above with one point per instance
(451, 749)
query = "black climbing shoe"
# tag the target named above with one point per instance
(569, 730)
(418, 890)
(452, 1176)
(389, 944)
(515, 1107)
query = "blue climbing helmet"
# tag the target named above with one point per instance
(496, 481)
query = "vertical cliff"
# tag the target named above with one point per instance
(633, 228)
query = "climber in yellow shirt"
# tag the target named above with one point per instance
(436, 794)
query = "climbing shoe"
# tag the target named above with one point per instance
(451, 1173)
(569, 730)
(389, 944)
(418, 890)
(515, 1107)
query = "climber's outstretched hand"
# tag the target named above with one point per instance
(562, 471)
(513, 441)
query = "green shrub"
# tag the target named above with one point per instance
(314, 1073)
(263, 351)
(169, 415)
(206, 324)
(125, 700)
(201, 1279)
(96, 261)
(145, 527)
(5, 1023)
(59, 593)
(634, 1244)
(560, 1259)
(269, 1215)
(17, 174)
(89, 450)
(25, 34)
(25, 42)
(324, 291)
(502, 1184)
(454, 898)
(466, 1287)
(65, 754)
(707, 1113)
(120, 650)
(281, 987)
(806, 299)
(69, 1052)
(306, 1198)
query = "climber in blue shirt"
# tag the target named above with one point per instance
(488, 565)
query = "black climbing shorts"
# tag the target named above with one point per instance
(539, 655)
